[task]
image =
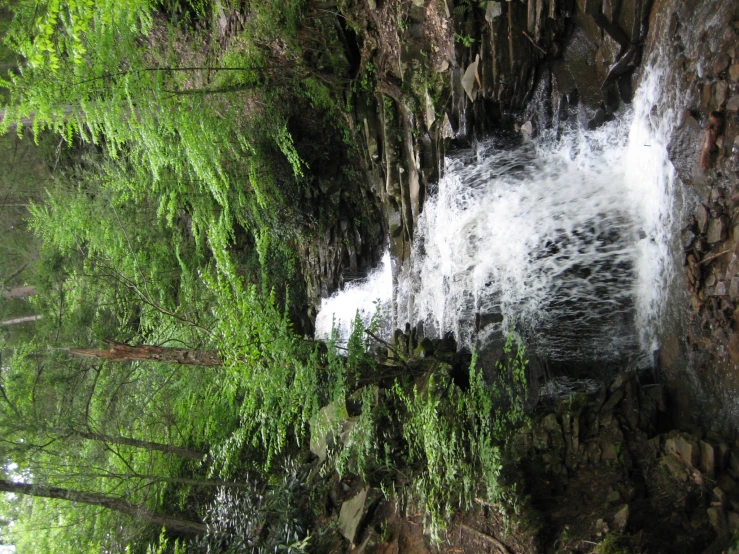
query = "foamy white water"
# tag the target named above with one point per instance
(568, 239)
(368, 297)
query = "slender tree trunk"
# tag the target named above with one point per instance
(22, 268)
(139, 511)
(18, 320)
(20, 292)
(127, 353)
(147, 445)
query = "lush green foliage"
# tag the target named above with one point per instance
(458, 436)
(175, 206)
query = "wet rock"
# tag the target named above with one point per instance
(714, 128)
(721, 92)
(733, 104)
(708, 460)
(351, 515)
(717, 518)
(613, 401)
(425, 348)
(621, 519)
(721, 289)
(593, 451)
(702, 218)
(619, 381)
(719, 497)
(732, 521)
(430, 112)
(470, 80)
(684, 144)
(717, 230)
(550, 423)
(734, 288)
(614, 497)
(689, 451)
(721, 63)
(734, 462)
(674, 467)
(527, 129)
(727, 484)
(540, 438)
(734, 72)
(447, 130)
(322, 427)
(493, 11)
(608, 452)
(598, 119)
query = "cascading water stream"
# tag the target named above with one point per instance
(567, 238)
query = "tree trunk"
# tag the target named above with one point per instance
(17, 320)
(147, 445)
(118, 504)
(146, 353)
(20, 292)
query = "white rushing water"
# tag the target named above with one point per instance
(566, 238)
(370, 297)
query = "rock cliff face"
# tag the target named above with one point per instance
(699, 362)
(434, 74)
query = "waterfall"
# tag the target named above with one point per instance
(566, 237)
(370, 298)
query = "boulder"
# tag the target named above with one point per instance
(683, 146)
(689, 451)
(674, 467)
(717, 230)
(621, 519)
(323, 425)
(493, 11)
(732, 521)
(352, 512)
(721, 63)
(717, 517)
